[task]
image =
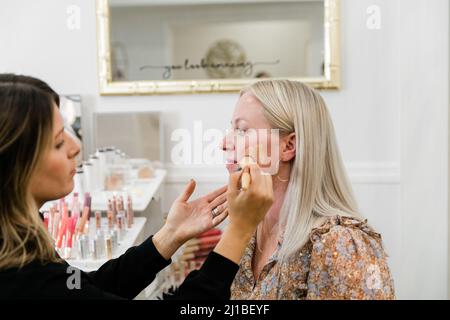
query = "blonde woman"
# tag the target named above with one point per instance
(312, 244)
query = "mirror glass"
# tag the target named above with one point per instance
(162, 40)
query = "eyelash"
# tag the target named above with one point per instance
(240, 132)
(59, 145)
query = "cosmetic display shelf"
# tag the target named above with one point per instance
(131, 238)
(141, 191)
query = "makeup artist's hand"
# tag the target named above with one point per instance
(189, 219)
(247, 209)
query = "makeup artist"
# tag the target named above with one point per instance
(37, 164)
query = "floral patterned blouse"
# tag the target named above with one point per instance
(344, 259)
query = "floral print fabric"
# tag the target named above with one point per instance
(344, 259)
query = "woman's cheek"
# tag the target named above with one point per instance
(57, 168)
(241, 146)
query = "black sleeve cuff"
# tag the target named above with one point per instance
(217, 266)
(147, 249)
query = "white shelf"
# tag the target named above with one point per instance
(130, 239)
(141, 192)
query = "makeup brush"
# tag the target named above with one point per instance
(246, 161)
(245, 179)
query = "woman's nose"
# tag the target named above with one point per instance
(74, 148)
(227, 142)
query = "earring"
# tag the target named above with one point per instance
(278, 177)
(282, 180)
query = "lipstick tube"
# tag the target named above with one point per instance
(110, 220)
(83, 221)
(61, 233)
(55, 226)
(98, 219)
(87, 203)
(46, 219)
(130, 212)
(69, 237)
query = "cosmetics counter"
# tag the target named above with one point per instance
(188, 258)
(110, 210)
(97, 222)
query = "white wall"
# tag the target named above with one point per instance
(391, 115)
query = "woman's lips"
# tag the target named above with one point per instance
(232, 166)
(73, 172)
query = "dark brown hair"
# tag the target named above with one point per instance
(26, 124)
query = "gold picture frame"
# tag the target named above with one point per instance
(330, 80)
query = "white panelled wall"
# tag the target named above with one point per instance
(391, 115)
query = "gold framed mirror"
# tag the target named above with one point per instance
(210, 46)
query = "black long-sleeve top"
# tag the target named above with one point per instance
(121, 278)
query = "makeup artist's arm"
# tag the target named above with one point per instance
(132, 272)
(189, 219)
(246, 210)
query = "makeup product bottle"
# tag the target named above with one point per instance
(109, 155)
(108, 246)
(84, 218)
(120, 224)
(98, 220)
(79, 180)
(101, 155)
(117, 157)
(95, 172)
(93, 249)
(110, 205)
(130, 212)
(121, 157)
(83, 247)
(75, 207)
(61, 233)
(114, 239)
(69, 237)
(100, 241)
(87, 203)
(61, 204)
(120, 204)
(88, 176)
(114, 208)
(110, 220)
(56, 223)
(65, 211)
(51, 221)
(46, 219)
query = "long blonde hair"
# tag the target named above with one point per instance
(26, 116)
(318, 185)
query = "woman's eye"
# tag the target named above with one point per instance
(59, 145)
(240, 132)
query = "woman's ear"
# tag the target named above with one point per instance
(289, 147)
